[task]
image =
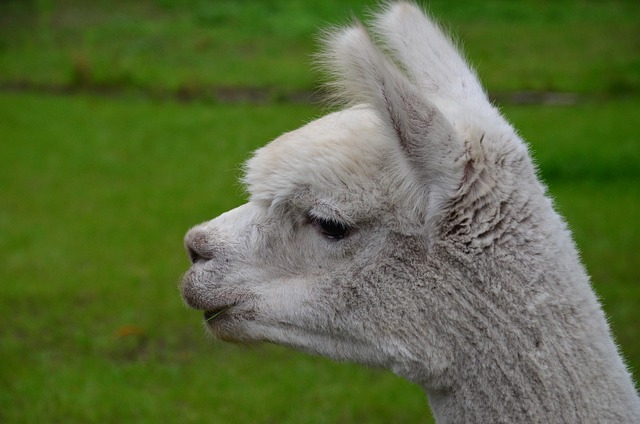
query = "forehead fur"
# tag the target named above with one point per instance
(345, 147)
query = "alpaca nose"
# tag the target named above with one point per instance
(197, 246)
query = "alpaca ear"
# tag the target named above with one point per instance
(362, 74)
(427, 54)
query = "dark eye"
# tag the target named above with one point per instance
(330, 229)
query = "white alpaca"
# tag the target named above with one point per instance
(410, 232)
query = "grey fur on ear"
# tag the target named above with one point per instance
(436, 67)
(363, 74)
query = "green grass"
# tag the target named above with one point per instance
(96, 197)
(96, 193)
(570, 146)
(189, 45)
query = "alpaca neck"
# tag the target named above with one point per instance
(507, 397)
(527, 386)
(520, 350)
(512, 345)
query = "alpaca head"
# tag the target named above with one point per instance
(337, 250)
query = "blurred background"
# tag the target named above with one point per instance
(123, 123)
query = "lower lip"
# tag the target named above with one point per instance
(210, 316)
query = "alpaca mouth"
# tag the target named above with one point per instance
(216, 313)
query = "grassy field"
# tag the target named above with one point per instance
(97, 191)
(188, 45)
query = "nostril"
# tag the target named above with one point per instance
(193, 255)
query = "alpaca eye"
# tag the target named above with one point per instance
(330, 229)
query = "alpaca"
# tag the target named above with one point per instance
(409, 231)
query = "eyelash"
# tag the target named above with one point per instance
(333, 230)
